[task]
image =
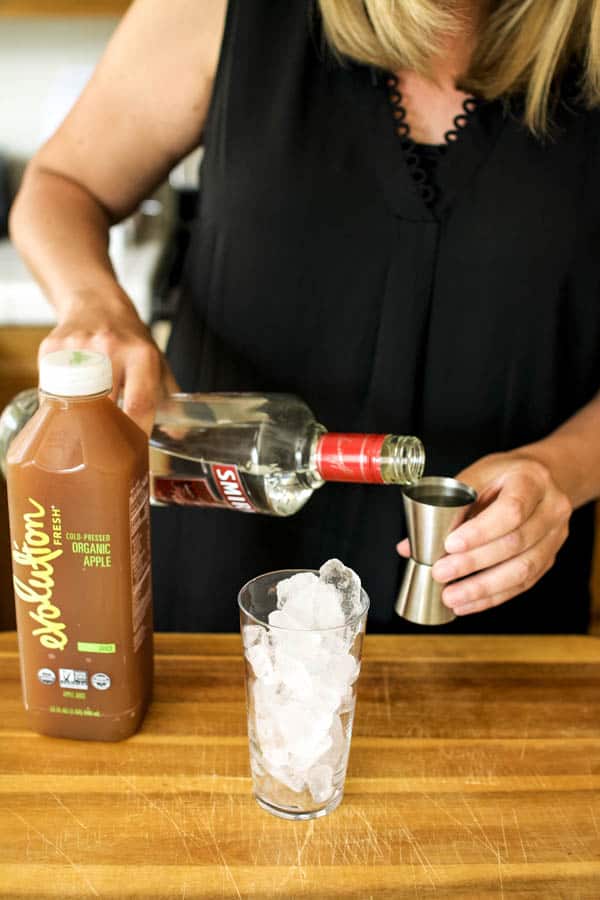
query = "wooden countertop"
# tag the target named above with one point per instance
(474, 772)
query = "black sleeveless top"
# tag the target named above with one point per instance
(318, 268)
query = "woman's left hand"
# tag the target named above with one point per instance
(515, 529)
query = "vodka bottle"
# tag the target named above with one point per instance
(256, 453)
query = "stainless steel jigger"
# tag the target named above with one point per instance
(434, 507)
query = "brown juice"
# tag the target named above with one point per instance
(79, 521)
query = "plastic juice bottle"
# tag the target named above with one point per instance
(79, 520)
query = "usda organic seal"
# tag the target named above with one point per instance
(46, 676)
(101, 681)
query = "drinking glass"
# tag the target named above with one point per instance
(301, 695)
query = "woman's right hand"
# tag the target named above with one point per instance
(140, 371)
(131, 125)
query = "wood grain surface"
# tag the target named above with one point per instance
(474, 772)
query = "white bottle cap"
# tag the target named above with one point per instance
(75, 373)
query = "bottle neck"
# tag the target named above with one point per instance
(62, 402)
(368, 458)
(349, 457)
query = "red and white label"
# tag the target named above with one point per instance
(183, 491)
(350, 457)
(228, 482)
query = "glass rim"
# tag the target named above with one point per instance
(366, 602)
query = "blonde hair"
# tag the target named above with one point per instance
(522, 46)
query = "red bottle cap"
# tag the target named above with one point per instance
(350, 457)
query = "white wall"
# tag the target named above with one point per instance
(43, 64)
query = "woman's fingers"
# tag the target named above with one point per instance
(403, 548)
(507, 579)
(141, 375)
(518, 495)
(169, 382)
(517, 526)
(118, 374)
(458, 565)
(142, 387)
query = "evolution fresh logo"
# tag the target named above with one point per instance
(37, 556)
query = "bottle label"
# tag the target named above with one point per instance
(182, 491)
(64, 582)
(33, 574)
(229, 484)
(141, 578)
(350, 457)
(221, 486)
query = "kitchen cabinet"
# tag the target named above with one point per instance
(14, 8)
(18, 370)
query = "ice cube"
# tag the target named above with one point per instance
(294, 675)
(281, 618)
(330, 697)
(336, 643)
(300, 603)
(348, 700)
(265, 729)
(307, 751)
(291, 779)
(299, 609)
(301, 644)
(327, 607)
(304, 730)
(275, 756)
(346, 581)
(253, 634)
(260, 659)
(302, 583)
(343, 671)
(337, 754)
(290, 719)
(317, 603)
(266, 694)
(314, 607)
(320, 782)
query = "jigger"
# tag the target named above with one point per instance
(433, 507)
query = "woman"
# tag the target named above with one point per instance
(403, 257)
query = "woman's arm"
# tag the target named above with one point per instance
(572, 454)
(143, 110)
(525, 502)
